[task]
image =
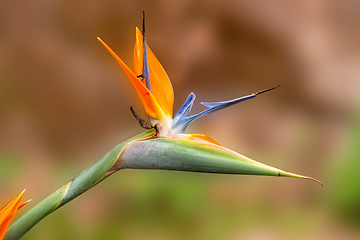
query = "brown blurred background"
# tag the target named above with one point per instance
(64, 102)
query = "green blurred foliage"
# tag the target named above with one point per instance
(345, 195)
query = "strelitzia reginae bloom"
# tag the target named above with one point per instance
(7, 213)
(169, 147)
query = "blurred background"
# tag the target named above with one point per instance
(64, 102)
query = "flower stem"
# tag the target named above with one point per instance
(74, 188)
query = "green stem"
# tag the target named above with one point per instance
(80, 184)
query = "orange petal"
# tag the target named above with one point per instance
(198, 137)
(7, 214)
(161, 86)
(138, 53)
(151, 106)
(23, 204)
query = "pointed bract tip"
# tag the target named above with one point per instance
(289, 174)
(315, 180)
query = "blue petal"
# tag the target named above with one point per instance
(145, 71)
(224, 104)
(185, 109)
(181, 121)
(213, 107)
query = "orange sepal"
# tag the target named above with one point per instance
(161, 86)
(23, 204)
(151, 106)
(7, 213)
(198, 137)
(138, 53)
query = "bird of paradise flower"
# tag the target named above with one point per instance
(7, 213)
(154, 88)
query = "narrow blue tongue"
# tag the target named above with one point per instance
(181, 120)
(145, 71)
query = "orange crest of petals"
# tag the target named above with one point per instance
(8, 212)
(148, 100)
(161, 87)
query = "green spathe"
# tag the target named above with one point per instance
(192, 156)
